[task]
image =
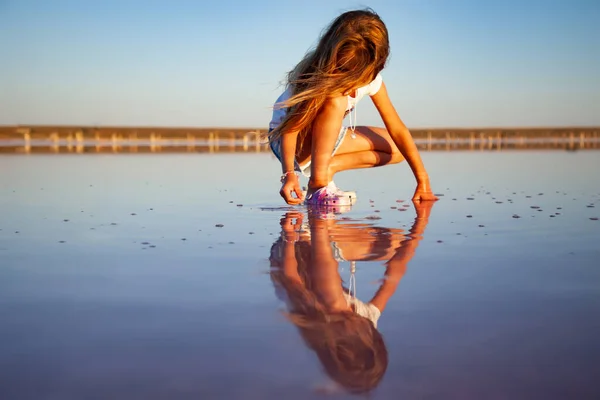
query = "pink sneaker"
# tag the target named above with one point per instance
(340, 193)
(330, 196)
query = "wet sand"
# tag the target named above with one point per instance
(153, 277)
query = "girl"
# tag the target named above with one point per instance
(306, 132)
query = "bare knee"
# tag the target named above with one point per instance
(387, 145)
(396, 156)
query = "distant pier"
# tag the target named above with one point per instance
(71, 139)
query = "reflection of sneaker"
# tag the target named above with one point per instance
(328, 212)
(330, 195)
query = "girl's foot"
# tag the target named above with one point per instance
(330, 195)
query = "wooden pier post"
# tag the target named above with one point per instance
(429, 140)
(98, 141)
(152, 142)
(114, 142)
(191, 142)
(79, 141)
(499, 141)
(55, 142)
(70, 142)
(571, 140)
(26, 139)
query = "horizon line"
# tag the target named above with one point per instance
(92, 126)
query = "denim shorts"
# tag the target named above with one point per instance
(305, 168)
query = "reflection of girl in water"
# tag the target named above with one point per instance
(338, 327)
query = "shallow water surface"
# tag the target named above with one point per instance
(185, 276)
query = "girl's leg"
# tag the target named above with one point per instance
(372, 147)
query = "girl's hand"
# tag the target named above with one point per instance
(423, 193)
(291, 186)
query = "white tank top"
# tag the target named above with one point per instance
(370, 89)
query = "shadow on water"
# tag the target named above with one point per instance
(334, 323)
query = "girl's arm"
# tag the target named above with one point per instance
(289, 235)
(404, 141)
(291, 184)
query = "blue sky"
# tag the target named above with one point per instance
(219, 63)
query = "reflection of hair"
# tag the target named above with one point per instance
(350, 54)
(349, 347)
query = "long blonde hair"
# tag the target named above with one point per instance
(349, 54)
